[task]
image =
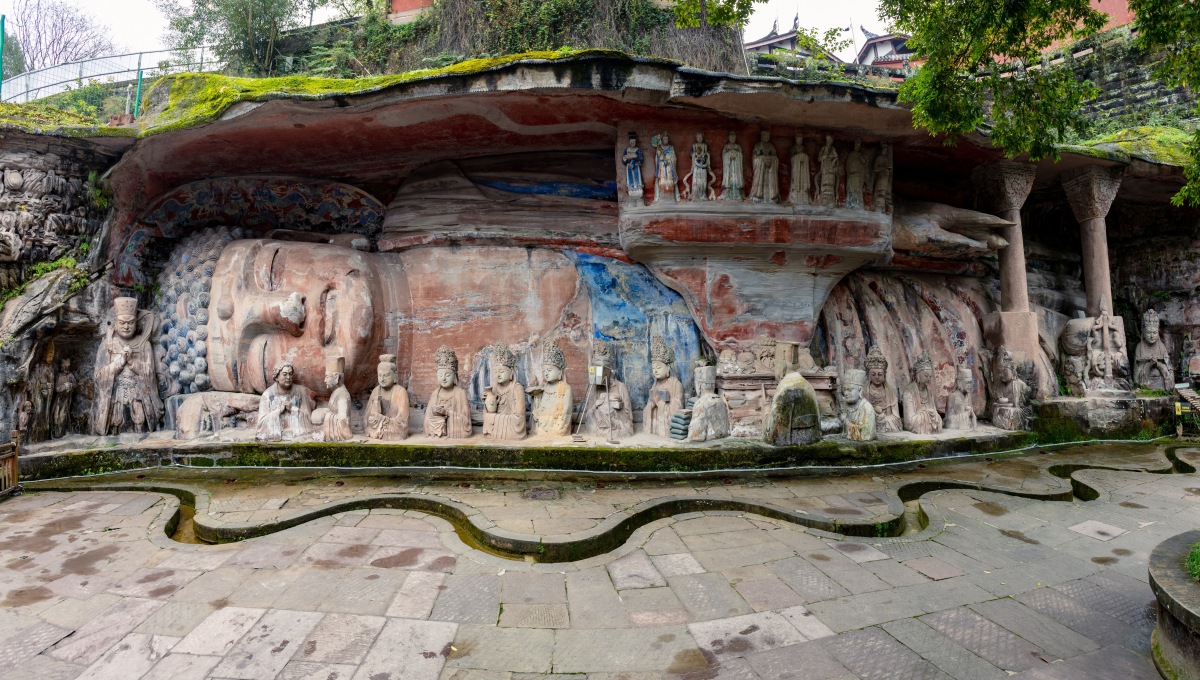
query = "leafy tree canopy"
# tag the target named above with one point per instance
(695, 13)
(243, 32)
(14, 56)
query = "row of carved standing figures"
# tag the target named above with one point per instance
(811, 184)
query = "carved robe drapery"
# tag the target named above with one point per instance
(129, 392)
(284, 415)
(456, 423)
(552, 409)
(959, 414)
(920, 413)
(387, 413)
(508, 422)
(64, 392)
(860, 421)
(666, 398)
(336, 426)
(887, 407)
(600, 414)
(1152, 366)
(41, 396)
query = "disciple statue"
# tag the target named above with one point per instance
(801, 191)
(448, 413)
(881, 194)
(335, 423)
(959, 414)
(1151, 362)
(882, 393)
(858, 414)
(41, 396)
(733, 184)
(1009, 393)
(856, 176)
(700, 178)
(64, 394)
(285, 408)
(632, 159)
(666, 176)
(24, 415)
(609, 410)
(504, 401)
(765, 185)
(126, 385)
(920, 408)
(666, 394)
(552, 401)
(710, 414)
(387, 407)
(829, 167)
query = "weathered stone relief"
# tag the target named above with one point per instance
(334, 418)
(552, 398)
(858, 414)
(959, 413)
(710, 413)
(1010, 394)
(666, 173)
(666, 394)
(608, 410)
(765, 185)
(881, 393)
(1151, 362)
(127, 398)
(919, 406)
(700, 180)
(285, 408)
(733, 164)
(632, 158)
(504, 400)
(448, 415)
(387, 407)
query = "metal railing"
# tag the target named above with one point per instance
(111, 70)
(8, 467)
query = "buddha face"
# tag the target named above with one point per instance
(877, 375)
(273, 299)
(851, 393)
(660, 370)
(504, 375)
(446, 378)
(387, 376)
(332, 380)
(126, 326)
(1150, 334)
(285, 377)
(924, 376)
(965, 381)
(551, 373)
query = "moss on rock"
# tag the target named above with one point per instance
(1160, 145)
(47, 120)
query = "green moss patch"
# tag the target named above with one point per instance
(1192, 564)
(1161, 145)
(42, 119)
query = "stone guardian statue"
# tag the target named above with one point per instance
(882, 393)
(126, 385)
(700, 178)
(666, 394)
(765, 185)
(504, 401)
(1151, 362)
(858, 414)
(284, 409)
(733, 184)
(387, 407)
(448, 414)
(552, 400)
(920, 408)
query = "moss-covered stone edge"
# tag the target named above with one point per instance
(46, 120)
(1151, 144)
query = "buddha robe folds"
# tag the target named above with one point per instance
(666, 398)
(552, 409)
(508, 422)
(387, 413)
(887, 407)
(601, 414)
(284, 415)
(455, 422)
(920, 414)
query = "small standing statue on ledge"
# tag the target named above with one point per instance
(504, 401)
(64, 394)
(387, 407)
(859, 414)
(701, 175)
(448, 413)
(126, 386)
(1151, 362)
(710, 414)
(666, 394)
(335, 427)
(882, 393)
(959, 414)
(552, 402)
(41, 395)
(801, 193)
(856, 176)
(881, 194)
(609, 411)
(1009, 393)
(920, 409)
(632, 159)
(828, 170)
(765, 186)
(733, 184)
(284, 409)
(666, 174)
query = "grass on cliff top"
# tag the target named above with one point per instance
(1192, 564)
(198, 98)
(42, 119)
(1162, 145)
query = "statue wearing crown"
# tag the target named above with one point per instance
(858, 415)
(126, 386)
(552, 398)
(666, 394)
(387, 407)
(1151, 362)
(881, 393)
(920, 407)
(448, 414)
(504, 401)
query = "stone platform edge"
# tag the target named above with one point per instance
(1176, 640)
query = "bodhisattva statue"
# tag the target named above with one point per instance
(733, 184)
(856, 176)
(700, 179)
(448, 413)
(387, 407)
(829, 167)
(1151, 362)
(858, 414)
(64, 395)
(24, 415)
(666, 394)
(552, 401)
(765, 186)
(881, 194)
(666, 174)
(959, 414)
(41, 395)
(1009, 393)
(285, 408)
(609, 410)
(882, 393)
(920, 408)
(710, 414)
(801, 190)
(335, 426)
(126, 385)
(504, 401)
(632, 159)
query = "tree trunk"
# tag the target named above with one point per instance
(703, 13)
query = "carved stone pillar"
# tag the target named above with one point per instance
(1090, 192)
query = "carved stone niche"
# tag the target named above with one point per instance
(747, 378)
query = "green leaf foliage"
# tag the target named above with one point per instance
(244, 33)
(715, 12)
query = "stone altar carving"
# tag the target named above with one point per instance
(733, 184)
(335, 420)
(666, 173)
(552, 399)
(632, 159)
(504, 401)
(801, 189)
(126, 387)
(828, 170)
(608, 412)
(448, 414)
(285, 408)
(920, 408)
(387, 407)
(700, 179)
(856, 176)
(1151, 361)
(858, 415)
(765, 183)
(41, 396)
(64, 395)
(881, 193)
(666, 394)
(1109, 363)
(1009, 393)
(710, 413)
(959, 414)
(882, 394)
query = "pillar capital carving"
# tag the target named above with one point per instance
(1091, 191)
(1004, 185)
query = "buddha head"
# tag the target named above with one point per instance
(964, 380)
(283, 375)
(877, 365)
(1150, 327)
(503, 364)
(554, 362)
(126, 317)
(661, 358)
(1006, 369)
(335, 370)
(387, 372)
(923, 370)
(447, 367)
(852, 386)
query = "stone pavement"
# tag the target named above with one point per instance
(995, 586)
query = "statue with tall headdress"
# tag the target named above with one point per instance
(609, 411)
(710, 413)
(335, 426)
(666, 394)
(285, 408)
(552, 399)
(1151, 362)
(882, 394)
(387, 407)
(448, 413)
(1009, 393)
(858, 414)
(959, 413)
(504, 401)
(920, 406)
(126, 385)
